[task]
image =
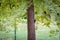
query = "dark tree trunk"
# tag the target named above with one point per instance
(15, 34)
(31, 24)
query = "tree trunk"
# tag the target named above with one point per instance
(15, 34)
(31, 24)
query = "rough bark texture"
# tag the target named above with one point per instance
(31, 24)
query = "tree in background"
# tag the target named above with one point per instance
(31, 24)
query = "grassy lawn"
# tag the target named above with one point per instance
(42, 33)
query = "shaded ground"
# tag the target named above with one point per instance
(6, 39)
(42, 33)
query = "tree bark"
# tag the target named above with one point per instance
(31, 24)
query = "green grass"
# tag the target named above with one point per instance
(41, 34)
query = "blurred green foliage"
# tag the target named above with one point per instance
(15, 11)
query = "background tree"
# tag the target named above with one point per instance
(31, 24)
